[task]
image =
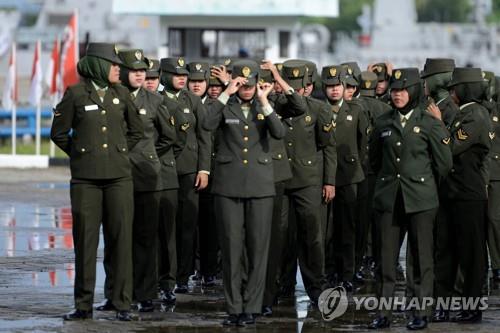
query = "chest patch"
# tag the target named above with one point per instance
(232, 121)
(385, 133)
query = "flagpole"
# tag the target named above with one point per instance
(38, 104)
(14, 127)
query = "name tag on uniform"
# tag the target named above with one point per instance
(385, 134)
(91, 107)
(349, 117)
(142, 111)
(232, 121)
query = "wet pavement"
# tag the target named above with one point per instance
(37, 272)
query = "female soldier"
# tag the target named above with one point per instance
(96, 124)
(408, 149)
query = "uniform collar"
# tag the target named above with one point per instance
(97, 88)
(466, 105)
(406, 116)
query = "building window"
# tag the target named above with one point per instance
(177, 42)
(284, 43)
(225, 43)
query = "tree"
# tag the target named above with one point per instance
(443, 10)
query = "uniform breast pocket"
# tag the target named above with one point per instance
(223, 159)
(82, 148)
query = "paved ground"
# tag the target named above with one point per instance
(36, 277)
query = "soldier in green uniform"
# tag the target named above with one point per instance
(97, 124)
(159, 136)
(365, 240)
(384, 72)
(152, 81)
(465, 244)
(349, 124)
(408, 149)
(494, 187)
(243, 185)
(193, 164)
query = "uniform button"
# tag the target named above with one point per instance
(245, 138)
(105, 145)
(265, 160)
(398, 143)
(496, 157)
(452, 170)
(279, 156)
(290, 144)
(289, 159)
(172, 163)
(245, 161)
(309, 162)
(124, 149)
(398, 159)
(382, 179)
(103, 112)
(104, 128)
(151, 156)
(422, 179)
(291, 128)
(245, 150)
(398, 175)
(246, 127)
(83, 150)
(213, 154)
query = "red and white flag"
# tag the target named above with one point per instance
(10, 90)
(36, 77)
(70, 53)
(52, 74)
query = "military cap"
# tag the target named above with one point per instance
(153, 68)
(212, 80)
(381, 70)
(466, 75)
(352, 72)
(248, 69)
(265, 76)
(198, 70)
(312, 71)
(295, 73)
(332, 75)
(104, 51)
(368, 83)
(404, 77)
(228, 63)
(176, 65)
(133, 59)
(488, 76)
(437, 65)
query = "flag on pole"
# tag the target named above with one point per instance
(36, 77)
(52, 75)
(70, 53)
(10, 90)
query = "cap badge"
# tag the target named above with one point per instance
(368, 84)
(180, 61)
(227, 61)
(116, 49)
(138, 55)
(198, 67)
(295, 72)
(397, 75)
(333, 71)
(245, 71)
(279, 66)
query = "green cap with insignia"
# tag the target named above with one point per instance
(295, 73)
(248, 69)
(265, 76)
(368, 83)
(437, 65)
(353, 72)
(279, 67)
(466, 75)
(332, 75)
(404, 77)
(174, 65)
(381, 70)
(212, 80)
(104, 51)
(133, 59)
(198, 71)
(153, 70)
(228, 62)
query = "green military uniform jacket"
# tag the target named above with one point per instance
(97, 136)
(310, 146)
(196, 155)
(159, 136)
(243, 162)
(470, 144)
(350, 129)
(169, 177)
(448, 110)
(494, 164)
(408, 160)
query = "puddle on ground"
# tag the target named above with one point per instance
(52, 186)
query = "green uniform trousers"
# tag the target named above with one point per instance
(109, 202)
(167, 247)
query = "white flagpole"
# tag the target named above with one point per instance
(14, 127)
(38, 106)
